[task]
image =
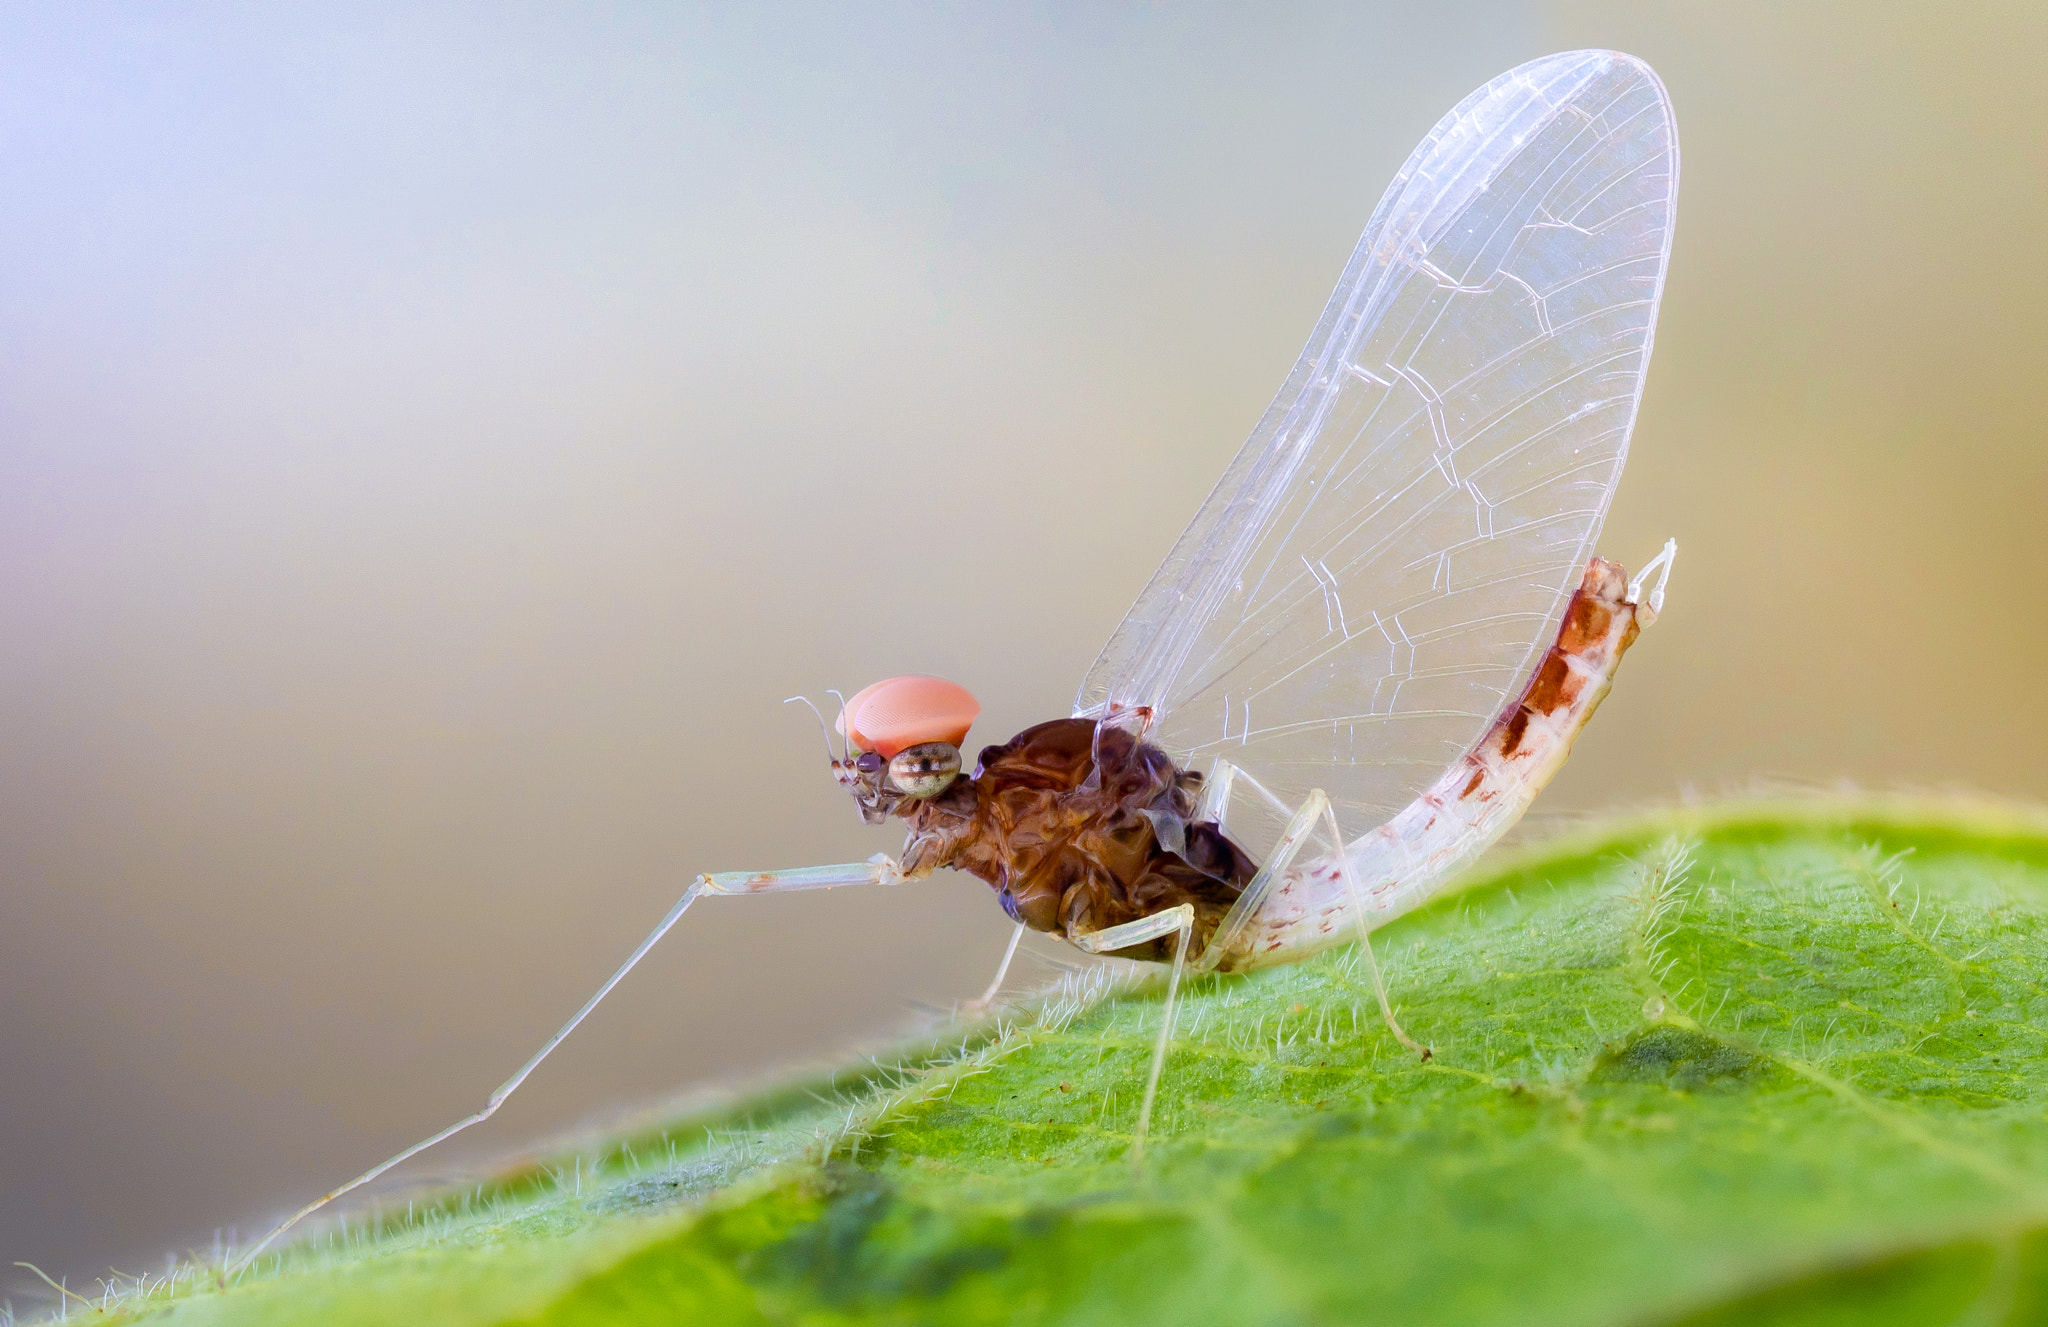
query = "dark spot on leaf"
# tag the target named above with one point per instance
(1941, 1284)
(1676, 1057)
(869, 1243)
(1336, 1124)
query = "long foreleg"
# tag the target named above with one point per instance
(877, 870)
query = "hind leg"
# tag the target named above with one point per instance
(1316, 806)
(1372, 963)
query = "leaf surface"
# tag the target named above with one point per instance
(1757, 1064)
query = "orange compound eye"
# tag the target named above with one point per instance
(851, 707)
(908, 711)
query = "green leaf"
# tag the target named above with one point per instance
(1756, 1064)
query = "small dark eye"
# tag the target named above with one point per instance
(868, 763)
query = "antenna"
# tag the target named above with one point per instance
(827, 732)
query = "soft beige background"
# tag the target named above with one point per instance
(433, 443)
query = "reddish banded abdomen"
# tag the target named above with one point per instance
(1404, 862)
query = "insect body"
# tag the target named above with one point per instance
(1080, 828)
(1381, 633)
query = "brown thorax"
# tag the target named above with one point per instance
(1076, 827)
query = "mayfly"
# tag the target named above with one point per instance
(1381, 633)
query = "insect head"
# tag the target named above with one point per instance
(907, 731)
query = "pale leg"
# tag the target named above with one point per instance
(1181, 920)
(1222, 785)
(982, 1001)
(1241, 912)
(1372, 963)
(1216, 803)
(877, 870)
(1216, 792)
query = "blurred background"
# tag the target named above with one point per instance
(433, 441)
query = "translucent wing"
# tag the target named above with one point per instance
(1384, 562)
